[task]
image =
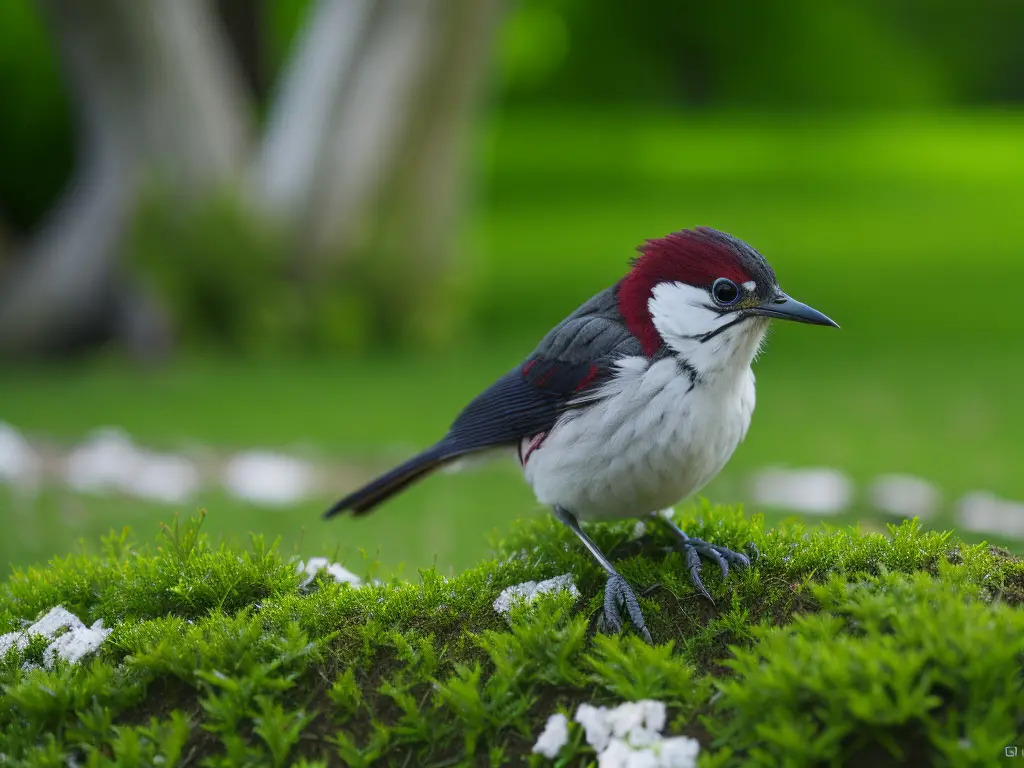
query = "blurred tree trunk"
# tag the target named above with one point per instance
(416, 221)
(153, 94)
(364, 153)
(243, 25)
(4, 245)
(366, 147)
(289, 168)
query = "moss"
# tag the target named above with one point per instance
(835, 648)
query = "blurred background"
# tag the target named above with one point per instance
(253, 252)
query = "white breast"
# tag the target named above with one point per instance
(649, 441)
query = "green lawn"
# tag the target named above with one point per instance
(905, 230)
(833, 649)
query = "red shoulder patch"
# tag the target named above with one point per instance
(592, 373)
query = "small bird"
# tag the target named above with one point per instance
(633, 402)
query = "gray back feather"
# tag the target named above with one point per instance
(594, 332)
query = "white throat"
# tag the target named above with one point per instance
(688, 322)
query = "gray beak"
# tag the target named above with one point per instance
(785, 308)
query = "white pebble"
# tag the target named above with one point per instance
(8, 641)
(335, 571)
(554, 736)
(103, 463)
(109, 461)
(985, 512)
(163, 477)
(270, 479)
(905, 496)
(819, 491)
(19, 463)
(77, 641)
(530, 589)
(77, 644)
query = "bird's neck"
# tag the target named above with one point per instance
(724, 359)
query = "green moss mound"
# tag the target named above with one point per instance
(835, 648)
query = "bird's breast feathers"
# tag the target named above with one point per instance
(647, 437)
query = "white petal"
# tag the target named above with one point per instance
(595, 725)
(554, 737)
(679, 752)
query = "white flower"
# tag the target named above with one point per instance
(595, 723)
(554, 737)
(629, 736)
(679, 752)
(639, 722)
(617, 754)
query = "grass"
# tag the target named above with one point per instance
(902, 227)
(836, 648)
(959, 432)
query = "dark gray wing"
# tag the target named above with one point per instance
(576, 355)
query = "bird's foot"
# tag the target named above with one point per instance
(618, 595)
(695, 549)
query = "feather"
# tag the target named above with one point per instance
(565, 371)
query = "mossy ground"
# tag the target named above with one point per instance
(835, 648)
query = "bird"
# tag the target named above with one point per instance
(632, 403)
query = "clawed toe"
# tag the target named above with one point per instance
(618, 595)
(695, 549)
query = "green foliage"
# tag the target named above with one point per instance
(838, 55)
(35, 118)
(187, 580)
(233, 282)
(221, 271)
(835, 648)
(632, 670)
(893, 667)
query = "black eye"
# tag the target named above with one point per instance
(724, 291)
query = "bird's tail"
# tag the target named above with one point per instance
(398, 479)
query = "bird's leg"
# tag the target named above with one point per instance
(617, 592)
(694, 549)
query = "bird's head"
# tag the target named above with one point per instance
(708, 296)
